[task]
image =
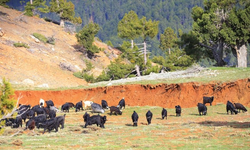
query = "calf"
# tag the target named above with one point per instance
(231, 107)
(49, 103)
(135, 118)
(96, 119)
(78, 106)
(96, 108)
(121, 103)
(30, 124)
(65, 107)
(202, 108)
(239, 106)
(87, 104)
(164, 113)
(149, 116)
(116, 110)
(208, 100)
(41, 102)
(178, 110)
(105, 104)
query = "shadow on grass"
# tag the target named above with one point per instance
(222, 113)
(225, 123)
(159, 118)
(130, 125)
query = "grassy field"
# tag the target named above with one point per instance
(216, 131)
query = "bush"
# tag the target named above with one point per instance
(88, 78)
(40, 37)
(21, 45)
(154, 69)
(78, 75)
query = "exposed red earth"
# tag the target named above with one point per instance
(164, 95)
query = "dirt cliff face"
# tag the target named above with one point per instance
(164, 95)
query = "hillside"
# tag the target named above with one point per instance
(43, 64)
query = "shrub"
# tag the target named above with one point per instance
(21, 45)
(40, 37)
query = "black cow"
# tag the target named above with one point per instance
(65, 107)
(23, 107)
(135, 118)
(178, 110)
(208, 100)
(85, 116)
(164, 113)
(116, 110)
(49, 103)
(121, 103)
(231, 107)
(202, 108)
(9, 121)
(149, 116)
(30, 124)
(105, 104)
(97, 108)
(71, 105)
(30, 113)
(96, 119)
(18, 122)
(60, 120)
(239, 106)
(78, 106)
(49, 125)
(40, 119)
(52, 114)
(38, 109)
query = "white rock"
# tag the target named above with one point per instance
(28, 82)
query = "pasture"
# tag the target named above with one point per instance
(217, 130)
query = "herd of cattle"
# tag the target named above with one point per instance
(45, 117)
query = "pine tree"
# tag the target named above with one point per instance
(65, 10)
(3, 3)
(168, 39)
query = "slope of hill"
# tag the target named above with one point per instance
(43, 64)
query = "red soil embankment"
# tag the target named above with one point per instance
(163, 95)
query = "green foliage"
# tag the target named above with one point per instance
(89, 66)
(78, 75)
(89, 78)
(129, 27)
(158, 59)
(168, 39)
(154, 69)
(7, 102)
(109, 43)
(21, 45)
(148, 28)
(40, 37)
(39, 5)
(3, 3)
(85, 37)
(178, 60)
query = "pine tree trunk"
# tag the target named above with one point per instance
(218, 54)
(145, 52)
(62, 23)
(241, 51)
(132, 44)
(31, 2)
(137, 68)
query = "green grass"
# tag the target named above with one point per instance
(21, 45)
(217, 130)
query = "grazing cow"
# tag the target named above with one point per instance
(78, 106)
(38, 109)
(30, 124)
(52, 114)
(105, 104)
(71, 105)
(239, 106)
(164, 113)
(135, 118)
(60, 120)
(149, 116)
(30, 114)
(121, 103)
(65, 107)
(8, 121)
(49, 103)
(231, 107)
(39, 119)
(116, 110)
(96, 119)
(85, 116)
(97, 108)
(41, 102)
(208, 100)
(18, 122)
(202, 108)
(178, 110)
(49, 125)
(87, 104)
(22, 108)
